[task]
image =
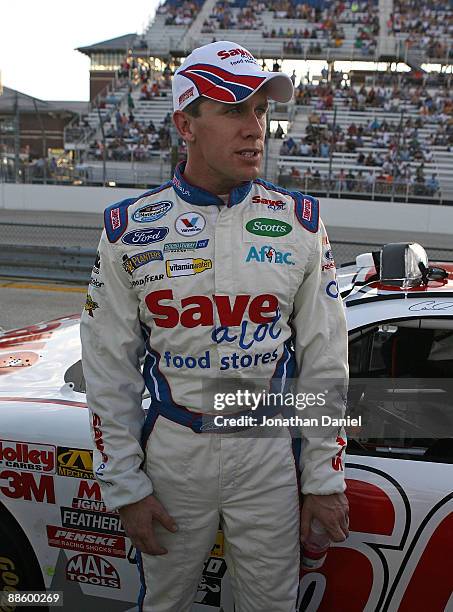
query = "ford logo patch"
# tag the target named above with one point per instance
(151, 212)
(145, 236)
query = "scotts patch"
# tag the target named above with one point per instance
(268, 227)
(145, 236)
(152, 212)
(140, 259)
(189, 224)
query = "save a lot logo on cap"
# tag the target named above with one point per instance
(268, 227)
(152, 212)
(187, 267)
(189, 224)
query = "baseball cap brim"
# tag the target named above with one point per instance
(218, 84)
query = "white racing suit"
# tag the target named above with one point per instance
(206, 290)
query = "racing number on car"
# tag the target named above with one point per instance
(356, 575)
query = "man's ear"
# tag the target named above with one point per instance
(184, 125)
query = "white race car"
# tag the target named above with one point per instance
(55, 532)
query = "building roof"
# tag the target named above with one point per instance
(120, 43)
(27, 103)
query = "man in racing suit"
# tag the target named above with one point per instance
(214, 275)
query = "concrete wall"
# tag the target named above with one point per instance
(336, 213)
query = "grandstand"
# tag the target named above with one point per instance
(383, 134)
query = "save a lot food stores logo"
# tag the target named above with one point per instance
(268, 227)
(75, 462)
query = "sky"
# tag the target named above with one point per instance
(38, 41)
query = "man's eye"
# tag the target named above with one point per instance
(261, 110)
(234, 110)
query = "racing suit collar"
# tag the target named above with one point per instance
(197, 195)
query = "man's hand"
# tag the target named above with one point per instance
(138, 520)
(330, 510)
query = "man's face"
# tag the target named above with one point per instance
(227, 142)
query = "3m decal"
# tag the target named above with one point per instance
(130, 264)
(27, 456)
(28, 486)
(145, 236)
(152, 212)
(189, 224)
(270, 255)
(187, 267)
(85, 541)
(89, 569)
(74, 462)
(268, 227)
(91, 521)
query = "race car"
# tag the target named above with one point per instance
(56, 534)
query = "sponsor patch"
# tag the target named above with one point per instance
(28, 457)
(84, 541)
(95, 283)
(99, 442)
(268, 227)
(140, 259)
(88, 569)
(90, 305)
(270, 255)
(152, 212)
(187, 267)
(189, 224)
(181, 247)
(97, 263)
(210, 585)
(307, 209)
(185, 95)
(218, 549)
(177, 184)
(75, 463)
(145, 236)
(115, 218)
(271, 204)
(148, 278)
(332, 289)
(89, 520)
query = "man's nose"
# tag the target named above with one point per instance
(253, 126)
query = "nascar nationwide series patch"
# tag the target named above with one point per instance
(152, 212)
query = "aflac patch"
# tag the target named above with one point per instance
(270, 255)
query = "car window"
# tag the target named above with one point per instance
(402, 386)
